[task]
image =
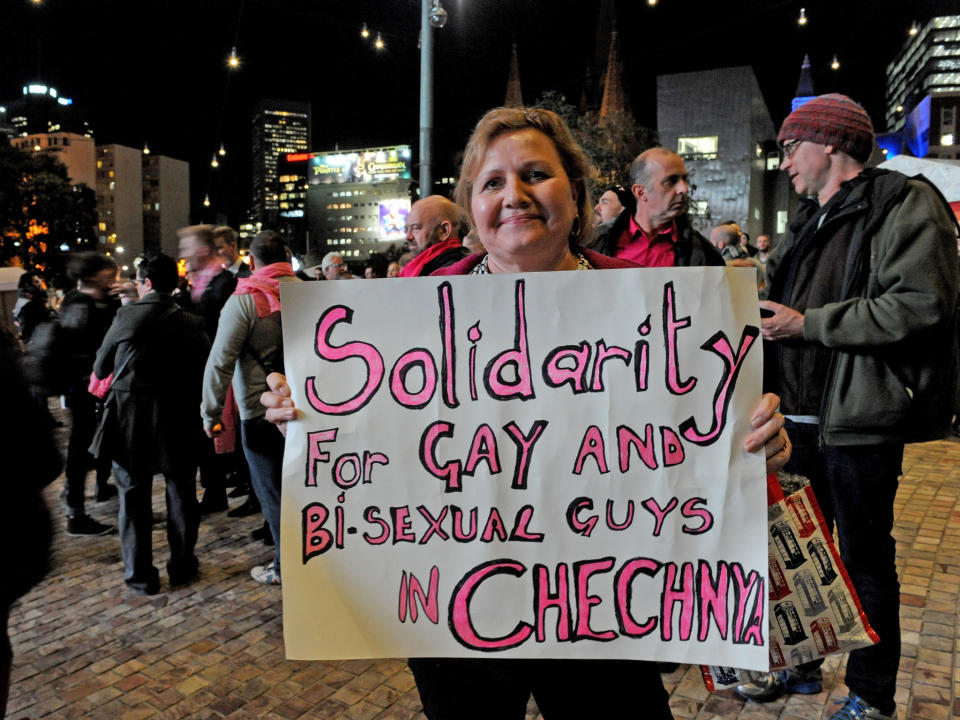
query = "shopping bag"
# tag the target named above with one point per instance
(814, 610)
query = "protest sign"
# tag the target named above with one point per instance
(534, 465)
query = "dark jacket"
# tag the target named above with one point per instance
(890, 333)
(84, 321)
(690, 250)
(212, 300)
(155, 426)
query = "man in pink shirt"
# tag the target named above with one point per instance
(659, 234)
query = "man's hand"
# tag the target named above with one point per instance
(785, 324)
(277, 400)
(212, 432)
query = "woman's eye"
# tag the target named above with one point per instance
(537, 175)
(492, 184)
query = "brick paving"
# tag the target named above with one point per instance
(86, 648)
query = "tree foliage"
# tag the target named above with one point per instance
(611, 143)
(40, 210)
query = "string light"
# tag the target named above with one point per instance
(206, 201)
(899, 108)
(146, 149)
(233, 61)
(651, 3)
(914, 29)
(379, 44)
(214, 163)
(835, 65)
(364, 33)
(802, 20)
(222, 151)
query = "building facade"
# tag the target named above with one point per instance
(279, 128)
(120, 200)
(166, 202)
(718, 122)
(358, 200)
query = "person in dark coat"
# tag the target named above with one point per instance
(211, 286)
(85, 315)
(153, 355)
(30, 462)
(31, 307)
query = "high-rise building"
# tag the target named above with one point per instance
(43, 120)
(166, 202)
(718, 122)
(928, 64)
(120, 200)
(280, 127)
(923, 93)
(141, 201)
(358, 200)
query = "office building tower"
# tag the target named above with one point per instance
(279, 128)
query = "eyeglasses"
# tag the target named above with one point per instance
(789, 148)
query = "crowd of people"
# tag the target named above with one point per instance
(859, 317)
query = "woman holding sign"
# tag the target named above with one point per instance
(523, 184)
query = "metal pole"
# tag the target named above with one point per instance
(426, 98)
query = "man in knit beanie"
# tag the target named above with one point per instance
(863, 353)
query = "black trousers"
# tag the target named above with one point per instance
(135, 522)
(483, 689)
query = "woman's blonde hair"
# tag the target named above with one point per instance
(503, 120)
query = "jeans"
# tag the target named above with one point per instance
(135, 522)
(855, 486)
(263, 447)
(482, 688)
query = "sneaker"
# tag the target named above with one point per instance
(265, 574)
(80, 525)
(856, 708)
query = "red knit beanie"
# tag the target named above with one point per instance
(831, 120)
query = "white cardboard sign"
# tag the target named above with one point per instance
(534, 465)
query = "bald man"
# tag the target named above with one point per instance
(659, 234)
(435, 228)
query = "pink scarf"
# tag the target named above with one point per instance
(264, 285)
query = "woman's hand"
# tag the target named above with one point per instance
(768, 433)
(280, 409)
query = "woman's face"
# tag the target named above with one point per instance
(522, 201)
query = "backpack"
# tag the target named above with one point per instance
(47, 363)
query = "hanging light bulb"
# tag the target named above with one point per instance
(214, 163)
(233, 61)
(899, 108)
(146, 149)
(206, 201)
(835, 65)
(364, 33)
(378, 43)
(651, 3)
(802, 20)
(222, 151)
(914, 29)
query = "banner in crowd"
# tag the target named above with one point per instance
(534, 465)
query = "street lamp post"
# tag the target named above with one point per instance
(432, 15)
(426, 97)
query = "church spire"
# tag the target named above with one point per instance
(805, 89)
(514, 97)
(614, 97)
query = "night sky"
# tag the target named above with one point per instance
(155, 71)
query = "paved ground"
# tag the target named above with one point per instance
(85, 648)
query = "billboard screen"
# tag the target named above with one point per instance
(393, 219)
(366, 166)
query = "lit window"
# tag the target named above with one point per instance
(781, 221)
(699, 208)
(773, 161)
(697, 148)
(946, 139)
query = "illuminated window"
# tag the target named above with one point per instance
(697, 148)
(700, 208)
(781, 221)
(946, 139)
(773, 161)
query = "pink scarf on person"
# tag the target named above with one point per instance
(264, 285)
